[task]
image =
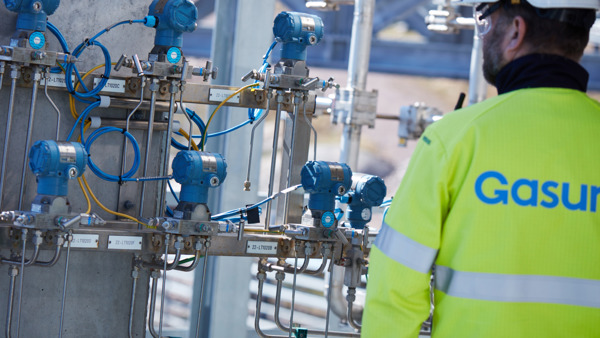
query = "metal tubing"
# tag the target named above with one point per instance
(124, 157)
(167, 146)
(53, 260)
(12, 273)
(152, 307)
(11, 107)
(25, 262)
(260, 120)
(202, 290)
(153, 90)
(274, 155)
(53, 104)
(133, 287)
(36, 83)
(351, 298)
(1, 73)
(309, 331)
(261, 275)
(321, 267)
(164, 265)
(24, 235)
(328, 298)
(164, 284)
(193, 265)
(294, 292)
(64, 295)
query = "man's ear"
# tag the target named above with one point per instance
(515, 35)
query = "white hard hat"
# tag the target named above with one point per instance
(585, 4)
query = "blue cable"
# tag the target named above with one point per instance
(107, 62)
(61, 39)
(229, 130)
(169, 212)
(237, 211)
(82, 118)
(72, 68)
(112, 178)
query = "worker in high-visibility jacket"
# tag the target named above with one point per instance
(502, 198)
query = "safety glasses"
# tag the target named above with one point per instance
(482, 14)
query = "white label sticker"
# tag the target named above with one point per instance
(58, 80)
(124, 243)
(84, 241)
(219, 95)
(36, 208)
(263, 248)
(112, 85)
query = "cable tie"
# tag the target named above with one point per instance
(120, 180)
(123, 131)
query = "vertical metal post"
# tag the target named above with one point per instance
(36, 83)
(153, 89)
(358, 67)
(167, 145)
(11, 107)
(279, 98)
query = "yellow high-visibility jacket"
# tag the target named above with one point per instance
(502, 198)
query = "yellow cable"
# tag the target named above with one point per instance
(108, 210)
(203, 140)
(87, 198)
(183, 132)
(72, 98)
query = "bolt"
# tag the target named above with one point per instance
(37, 6)
(214, 181)
(167, 225)
(73, 172)
(341, 190)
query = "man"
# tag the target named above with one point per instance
(502, 198)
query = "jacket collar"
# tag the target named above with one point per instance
(542, 70)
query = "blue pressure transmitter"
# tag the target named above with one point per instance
(196, 172)
(171, 18)
(323, 181)
(32, 13)
(55, 163)
(367, 191)
(295, 31)
(31, 21)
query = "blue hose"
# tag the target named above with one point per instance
(72, 68)
(108, 177)
(61, 39)
(82, 118)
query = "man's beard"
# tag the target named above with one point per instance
(492, 55)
